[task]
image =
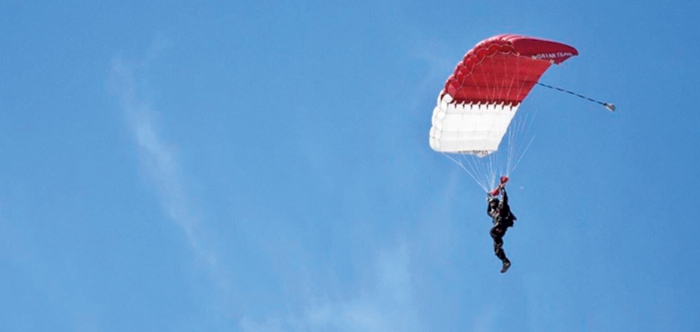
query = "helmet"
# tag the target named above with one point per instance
(494, 201)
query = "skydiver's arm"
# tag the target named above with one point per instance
(505, 195)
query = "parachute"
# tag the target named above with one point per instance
(481, 97)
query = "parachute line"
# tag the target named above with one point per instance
(471, 173)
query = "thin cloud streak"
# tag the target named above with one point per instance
(156, 157)
(386, 306)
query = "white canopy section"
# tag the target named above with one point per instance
(469, 128)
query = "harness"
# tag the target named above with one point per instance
(501, 218)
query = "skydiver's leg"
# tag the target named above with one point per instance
(497, 234)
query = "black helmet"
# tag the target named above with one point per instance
(494, 201)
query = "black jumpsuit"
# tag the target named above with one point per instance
(502, 219)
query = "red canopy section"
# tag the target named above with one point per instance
(503, 69)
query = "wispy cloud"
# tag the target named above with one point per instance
(387, 305)
(157, 157)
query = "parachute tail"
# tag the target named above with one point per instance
(609, 106)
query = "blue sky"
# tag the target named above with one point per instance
(264, 166)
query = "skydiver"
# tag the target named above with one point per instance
(503, 218)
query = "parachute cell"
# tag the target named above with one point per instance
(482, 95)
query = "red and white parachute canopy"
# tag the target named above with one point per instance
(481, 97)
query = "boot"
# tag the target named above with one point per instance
(506, 265)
